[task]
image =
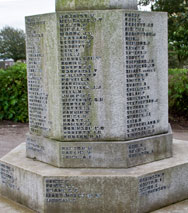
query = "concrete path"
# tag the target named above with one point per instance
(11, 135)
(181, 135)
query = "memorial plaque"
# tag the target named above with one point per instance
(110, 81)
(42, 66)
(145, 74)
(60, 190)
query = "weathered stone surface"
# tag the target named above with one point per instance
(8, 206)
(180, 207)
(140, 189)
(63, 5)
(120, 154)
(97, 75)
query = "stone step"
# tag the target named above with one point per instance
(140, 189)
(181, 207)
(9, 206)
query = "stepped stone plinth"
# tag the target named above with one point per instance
(99, 138)
(140, 189)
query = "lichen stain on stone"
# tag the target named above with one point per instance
(106, 62)
(61, 4)
(88, 51)
(81, 4)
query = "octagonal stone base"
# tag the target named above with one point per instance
(144, 188)
(109, 154)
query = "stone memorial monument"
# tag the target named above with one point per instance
(98, 105)
(97, 80)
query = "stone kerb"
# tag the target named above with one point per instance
(65, 5)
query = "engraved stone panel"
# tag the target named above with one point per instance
(43, 81)
(7, 176)
(146, 74)
(63, 5)
(110, 80)
(13, 185)
(59, 190)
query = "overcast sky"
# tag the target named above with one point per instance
(12, 12)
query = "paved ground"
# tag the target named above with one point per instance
(180, 131)
(11, 135)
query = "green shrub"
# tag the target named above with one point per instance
(13, 93)
(178, 92)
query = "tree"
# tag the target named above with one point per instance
(178, 25)
(12, 43)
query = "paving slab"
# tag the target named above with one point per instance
(11, 135)
(180, 134)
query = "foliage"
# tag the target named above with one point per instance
(13, 93)
(178, 92)
(12, 44)
(178, 25)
